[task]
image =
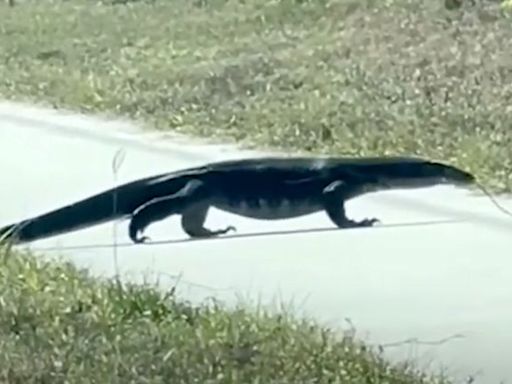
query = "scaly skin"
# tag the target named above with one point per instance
(268, 188)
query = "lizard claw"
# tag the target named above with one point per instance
(143, 239)
(361, 224)
(369, 222)
(226, 230)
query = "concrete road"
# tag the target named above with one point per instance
(437, 270)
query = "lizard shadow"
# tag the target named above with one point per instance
(248, 235)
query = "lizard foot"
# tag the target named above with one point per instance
(347, 223)
(141, 240)
(205, 233)
(134, 230)
(366, 222)
(223, 231)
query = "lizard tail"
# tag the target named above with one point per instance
(109, 205)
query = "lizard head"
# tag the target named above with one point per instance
(448, 174)
(396, 172)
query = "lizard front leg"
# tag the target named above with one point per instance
(191, 202)
(334, 205)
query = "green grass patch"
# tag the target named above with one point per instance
(351, 77)
(60, 325)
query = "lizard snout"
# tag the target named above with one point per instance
(452, 175)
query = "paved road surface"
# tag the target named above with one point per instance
(439, 266)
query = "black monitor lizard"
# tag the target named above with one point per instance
(268, 188)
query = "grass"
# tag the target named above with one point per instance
(60, 325)
(352, 77)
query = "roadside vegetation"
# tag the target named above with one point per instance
(351, 77)
(60, 325)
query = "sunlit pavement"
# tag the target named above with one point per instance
(437, 269)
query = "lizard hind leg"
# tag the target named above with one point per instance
(194, 218)
(333, 200)
(191, 202)
(154, 210)
(162, 207)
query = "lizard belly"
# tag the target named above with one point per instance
(265, 209)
